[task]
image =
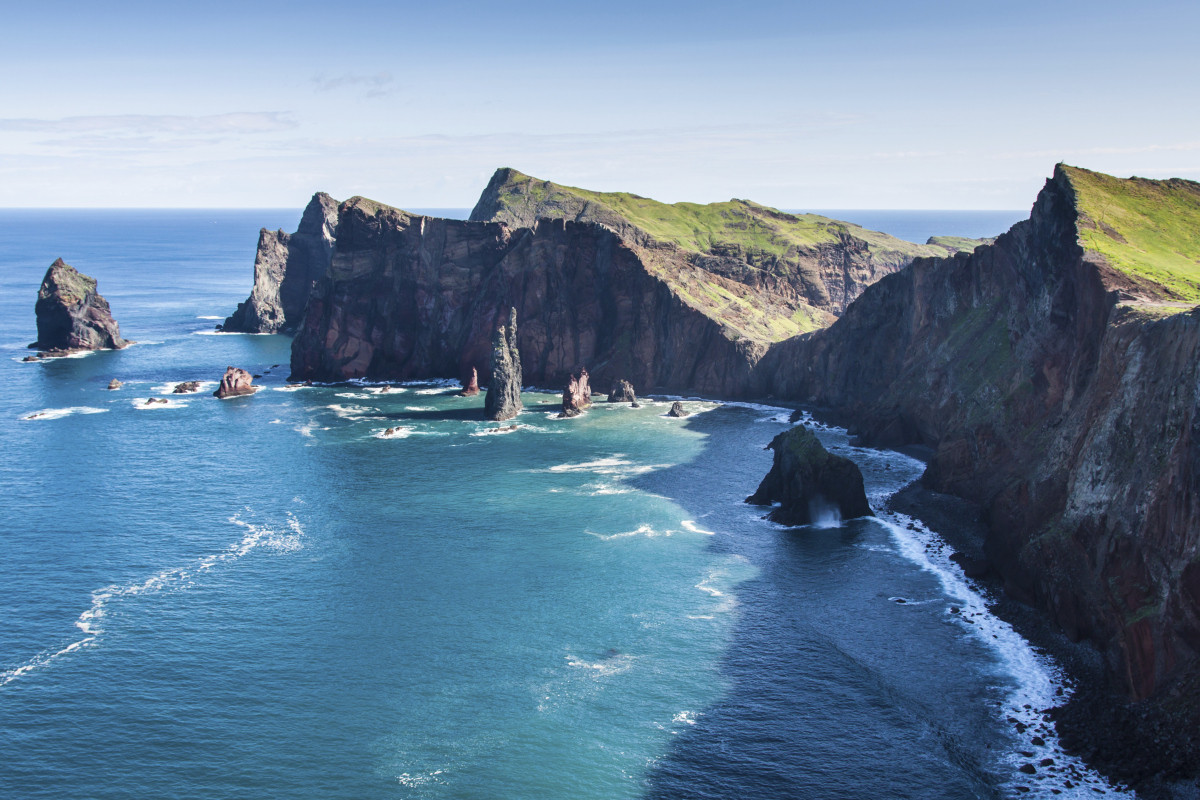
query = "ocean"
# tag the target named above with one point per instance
(269, 596)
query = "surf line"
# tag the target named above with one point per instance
(90, 622)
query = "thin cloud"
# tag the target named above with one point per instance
(145, 124)
(378, 85)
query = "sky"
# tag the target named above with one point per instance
(855, 104)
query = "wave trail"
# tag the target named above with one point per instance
(91, 621)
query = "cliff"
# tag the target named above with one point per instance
(801, 270)
(285, 268)
(1056, 374)
(72, 315)
(409, 297)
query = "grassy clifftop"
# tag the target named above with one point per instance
(1147, 229)
(758, 233)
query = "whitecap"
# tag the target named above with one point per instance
(59, 413)
(690, 525)
(645, 530)
(350, 411)
(685, 718)
(430, 391)
(603, 667)
(420, 408)
(143, 404)
(500, 431)
(208, 316)
(91, 621)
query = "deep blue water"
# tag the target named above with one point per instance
(267, 597)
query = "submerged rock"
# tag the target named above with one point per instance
(470, 385)
(114, 384)
(503, 400)
(150, 401)
(577, 396)
(677, 410)
(187, 387)
(806, 479)
(235, 382)
(72, 316)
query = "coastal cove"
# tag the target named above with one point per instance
(575, 608)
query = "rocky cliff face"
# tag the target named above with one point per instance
(1060, 390)
(410, 297)
(577, 397)
(285, 268)
(503, 399)
(71, 314)
(806, 267)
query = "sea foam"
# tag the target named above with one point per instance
(59, 413)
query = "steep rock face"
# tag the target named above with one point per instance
(285, 268)
(1060, 391)
(808, 481)
(577, 397)
(71, 314)
(409, 297)
(803, 269)
(503, 399)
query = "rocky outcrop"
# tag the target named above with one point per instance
(72, 316)
(677, 410)
(503, 399)
(622, 392)
(285, 268)
(235, 382)
(810, 483)
(471, 385)
(114, 384)
(1059, 386)
(577, 397)
(187, 387)
(410, 297)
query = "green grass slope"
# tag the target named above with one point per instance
(1148, 230)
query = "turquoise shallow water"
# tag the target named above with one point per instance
(268, 597)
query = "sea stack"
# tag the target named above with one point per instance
(235, 382)
(471, 385)
(622, 392)
(71, 314)
(677, 410)
(805, 477)
(503, 400)
(577, 397)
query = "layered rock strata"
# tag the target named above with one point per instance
(285, 268)
(503, 399)
(72, 316)
(810, 483)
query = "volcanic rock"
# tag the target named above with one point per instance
(622, 392)
(72, 316)
(503, 399)
(577, 396)
(114, 384)
(187, 387)
(235, 382)
(677, 410)
(805, 478)
(470, 385)
(285, 268)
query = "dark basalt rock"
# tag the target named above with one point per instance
(470, 385)
(622, 392)
(805, 477)
(577, 396)
(187, 387)
(677, 410)
(503, 399)
(235, 382)
(72, 316)
(285, 268)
